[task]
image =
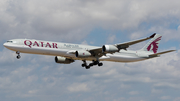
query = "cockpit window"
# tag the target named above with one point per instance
(10, 41)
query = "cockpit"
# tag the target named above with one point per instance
(10, 41)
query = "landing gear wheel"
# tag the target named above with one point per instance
(87, 67)
(100, 64)
(91, 64)
(95, 62)
(83, 65)
(18, 57)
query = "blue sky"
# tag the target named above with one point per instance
(93, 22)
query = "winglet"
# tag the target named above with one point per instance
(152, 36)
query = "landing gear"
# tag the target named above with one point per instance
(85, 65)
(91, 64)
(100, 64)
(18, 55)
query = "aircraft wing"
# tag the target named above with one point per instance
(98, 51)
(127, 44)
(158, 54)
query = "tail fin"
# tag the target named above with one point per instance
(153, 44)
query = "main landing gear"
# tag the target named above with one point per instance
(91, 64)
(18, 55)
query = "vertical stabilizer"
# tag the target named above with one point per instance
(153, 44)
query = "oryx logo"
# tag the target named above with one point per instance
(154, 45)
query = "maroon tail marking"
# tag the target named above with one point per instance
(155, 45)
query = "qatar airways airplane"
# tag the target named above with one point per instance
(66, 53)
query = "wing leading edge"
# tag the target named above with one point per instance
(127, 44)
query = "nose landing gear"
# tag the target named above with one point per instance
(18, 55)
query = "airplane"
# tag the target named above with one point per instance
(66, 53)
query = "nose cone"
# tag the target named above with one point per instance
(6, 45)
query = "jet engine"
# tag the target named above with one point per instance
(63, 60)
(109, 49)
(82, 54)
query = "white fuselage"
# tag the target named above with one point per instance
(66, 49)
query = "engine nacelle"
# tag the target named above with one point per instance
(109, 49)
(83, 54)
(63, 60)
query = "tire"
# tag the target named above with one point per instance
(96, 62)
(91, 64)
(18, 57)
(100, 64)
(87, 67)
(83, 65)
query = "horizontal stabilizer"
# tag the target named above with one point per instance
(157, 54)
